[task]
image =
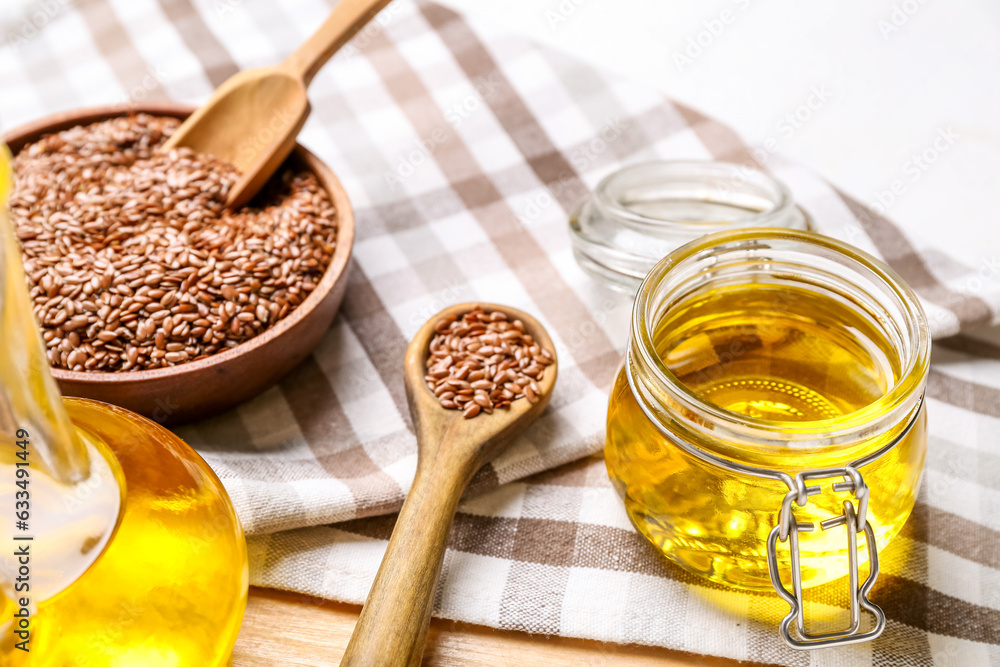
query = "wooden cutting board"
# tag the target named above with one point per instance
(299, 631)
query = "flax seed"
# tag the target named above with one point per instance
(478, 362)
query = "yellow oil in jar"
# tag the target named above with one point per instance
(789, 358)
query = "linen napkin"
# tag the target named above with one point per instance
(463, 149)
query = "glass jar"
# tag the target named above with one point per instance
(639, 214)
(773, 382)
(118, 544)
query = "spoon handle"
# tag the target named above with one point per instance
(393, 625)
(344, 21)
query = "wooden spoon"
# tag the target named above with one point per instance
(450, 449)
(252, 119)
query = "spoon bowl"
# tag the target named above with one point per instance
(251, 122)
(487, 434)
(252, 119)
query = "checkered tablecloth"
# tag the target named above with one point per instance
(463, 148)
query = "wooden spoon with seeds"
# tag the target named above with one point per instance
(252, 119)
(450, 449)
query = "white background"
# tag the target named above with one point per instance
(897, 72)
(892, 88)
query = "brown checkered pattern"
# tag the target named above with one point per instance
(463, 150)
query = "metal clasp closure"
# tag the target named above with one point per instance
(855, 521)
(787, 529)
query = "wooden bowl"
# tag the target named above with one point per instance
(209, 386)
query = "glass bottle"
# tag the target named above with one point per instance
(118, 544)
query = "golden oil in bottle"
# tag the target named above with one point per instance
(170, 587)
(778, 366)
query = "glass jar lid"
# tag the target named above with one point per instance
(641, 213)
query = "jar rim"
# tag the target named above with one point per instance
(6, 175)
(640, 212)
(905, 390)
(606, 193)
